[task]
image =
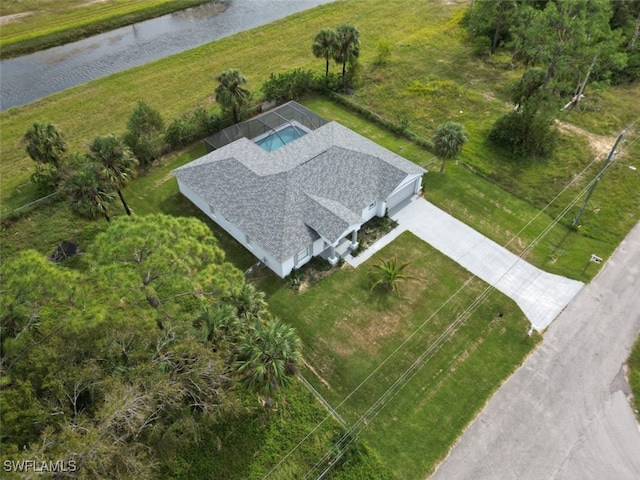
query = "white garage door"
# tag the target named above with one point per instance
(402, 194)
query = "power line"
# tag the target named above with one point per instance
(531, 245)
(350, 436)
(453, 327)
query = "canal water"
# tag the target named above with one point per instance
(31, 77)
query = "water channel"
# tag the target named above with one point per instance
(31, 77)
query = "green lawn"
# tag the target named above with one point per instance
(634, 374)
(365, 328)
(38, 24)
(423, 81)
(359, 342)
(486, 206)
(179, 83)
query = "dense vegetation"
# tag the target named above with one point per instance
(178, 348)
(575, 43)
(127, 361)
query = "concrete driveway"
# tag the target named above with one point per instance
(540, 295)
(564, 414)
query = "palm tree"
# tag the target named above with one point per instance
(217, 323)
(90, 194)
(230, 94)
(117, 163)
(324, 46)
(347, 47)
(247, 300)
(267, 356)
(388, 274)
(45, 144)
(448, 141)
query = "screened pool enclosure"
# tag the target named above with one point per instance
(270, 130)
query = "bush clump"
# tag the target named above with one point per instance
(524, 134)
(191, 127)
(292, 85)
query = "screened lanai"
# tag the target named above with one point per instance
(288, 117)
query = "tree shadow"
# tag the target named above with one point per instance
(380, 296)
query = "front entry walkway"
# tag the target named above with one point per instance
(540, 295)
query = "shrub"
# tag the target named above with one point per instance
(144, 136)
(204, 123)
(294, 279)
(354, 79)
(46, 178)
(525, 134)
(384, 52)
(289, 85)
(46, 146)
(191, 127)
(481, 47)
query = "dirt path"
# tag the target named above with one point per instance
(7, 19)
(600, 144)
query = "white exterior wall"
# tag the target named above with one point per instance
(286, 267)
(368, 213)
(409, 179)
(281, 269)
(318, 247)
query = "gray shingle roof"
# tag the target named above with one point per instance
(282, 200)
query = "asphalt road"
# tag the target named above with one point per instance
(564, 414)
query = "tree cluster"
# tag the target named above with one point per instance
(230, 93)
(341, 45)
(564, 46)
(289, 85)
(527, 130)
(92, 180)
(565, 38)
(115, 365)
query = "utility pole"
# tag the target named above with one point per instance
(607, 162)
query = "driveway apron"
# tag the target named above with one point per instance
(540, 295)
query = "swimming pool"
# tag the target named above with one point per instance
(280, 138)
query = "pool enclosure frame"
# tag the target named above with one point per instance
(268, 123)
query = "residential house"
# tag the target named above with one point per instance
(288, 185)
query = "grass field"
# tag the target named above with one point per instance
(634, 374)
(181, 82)
(422, 81)
(438, 278)
(485, 206)
(359, 342)
(32, 25)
